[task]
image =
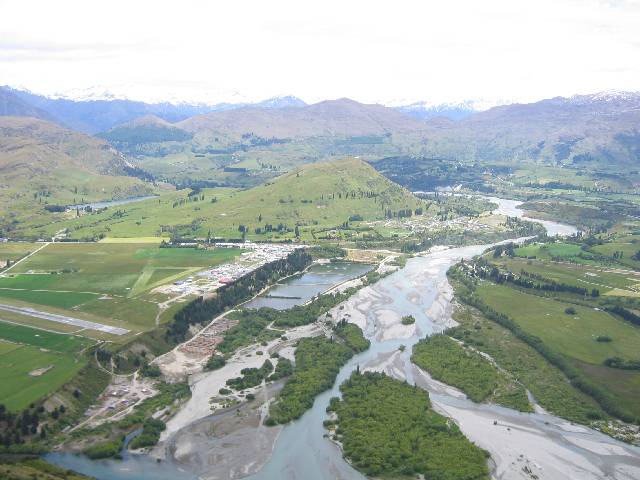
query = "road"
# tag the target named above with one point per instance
(25, 257)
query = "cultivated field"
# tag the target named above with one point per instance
(106, 283)
(35, 362)
(575, 337)
(15, 250)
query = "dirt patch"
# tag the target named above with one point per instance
(40, 371)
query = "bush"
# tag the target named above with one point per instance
(151, 430)
(603, 338)
(105, 449)
(408, 320)
(152, 371)
(389, 430)
(570, 311)
(215, 362)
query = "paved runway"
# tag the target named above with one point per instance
(64, 319)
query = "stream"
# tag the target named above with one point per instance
(521, 445)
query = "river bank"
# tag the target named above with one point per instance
(549, 447)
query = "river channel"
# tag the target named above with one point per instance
(521, 445)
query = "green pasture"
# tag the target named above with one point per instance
(606, 281)
(571, 335)
(624, 384)
(629, 246)
(109, 268)
(548, 250)
(42, 338)
(16, 250)
(54, 299)
(18, 388)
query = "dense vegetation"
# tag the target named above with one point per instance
(408, 320)
(251, 377)
(200, 311)
(283, 369)
(352, 335)
(451, 363)
(106, 449)
(150, 435)
(318, 361)
(215, 362)
(387, 428)
(575, 376)
(253, 324)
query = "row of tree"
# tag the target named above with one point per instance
(201, 311)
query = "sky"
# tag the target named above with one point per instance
(391, 52)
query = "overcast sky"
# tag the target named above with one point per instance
(371, 51)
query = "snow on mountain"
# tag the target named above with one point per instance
(607, 96)
(154, 95)
(454, 110)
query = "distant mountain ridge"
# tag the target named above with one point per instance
(343, 117)
(598, 128)
(589, 129)
(102, 112)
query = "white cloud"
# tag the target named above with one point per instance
(366, 50)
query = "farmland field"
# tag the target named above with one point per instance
(110, 268)
(54, 299)
(628, 247)
(606, 280)
(573, 335)
(20, 381)
(106, 283)
(24, 350)
(547, 251)
(16, 250)
(42, 338)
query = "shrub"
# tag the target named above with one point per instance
(408, 320)
(603, 338)
(215, 362)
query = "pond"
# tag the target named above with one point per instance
(299, 289)
(111, 203)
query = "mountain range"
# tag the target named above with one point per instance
(46, 142)
(102, 113)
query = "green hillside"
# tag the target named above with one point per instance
(133, 137)
(43, 165)
(315, 198)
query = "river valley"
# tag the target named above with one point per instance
(521, 445)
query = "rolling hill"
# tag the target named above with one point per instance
(143, 130)
(43, 164)
(315, 198)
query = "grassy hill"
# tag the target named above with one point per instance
(131, 137)
(314, 198)
(43, 164)
(246, 146)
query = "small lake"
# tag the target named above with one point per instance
(112, 203)
(301, 288)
